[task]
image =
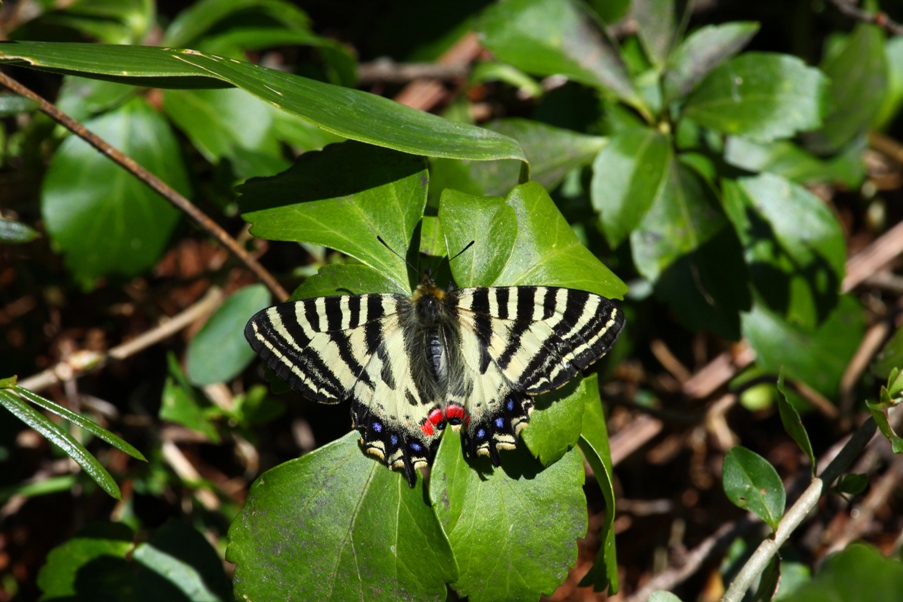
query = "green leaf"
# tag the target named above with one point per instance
(105, 562)
(180, 405)
(345, 112)
(84, 98)
(893, 99)
(768, 582)
(655, 27)
(819, 357)
(860, 572)
(753, 484)
(852, 484)
(524, 518)
(56, 435)
(629, 175)
(337, 525)
(82, 421)
(13, 104)
(686, 248)
(594, 445)
(201, 17)
(701, 52)
(879, 414)
(96, 213)
(219, 352)
(546, 251)
(12, 231)
(344, 197)
(789, 160)
(343, 279)
(793, 425)
(552, 152)
(858, 77)
(794, 246)
(490, 223)
(220, 121)
(488, 71)
(123, 22)
(890, 357)
(549, 37)
(556, 421)
(759, 95)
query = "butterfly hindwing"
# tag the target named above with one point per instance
(352, 347)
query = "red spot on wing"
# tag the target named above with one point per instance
(436, 416)
(427, 428)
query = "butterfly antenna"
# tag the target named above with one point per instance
(397, 254)
(470, 244)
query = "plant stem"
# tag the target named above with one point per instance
(152, 181)
(792, 519)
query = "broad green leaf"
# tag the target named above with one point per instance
(879, 415)
(890, 356)
(82, 421)
(59, 437)
(556, 421)
(344, 197)
(852, 484)
(701, 52)
(111, 22)
(629, 175)
(202, 17)
(860, 572)
(342, 111)
(685, 246)
(105, 562)
(768, 582)
(82, 98)
(345, 279)
(549, 37)
(490, 223)
(610, 10)
(513, 529)
(13, 104)
(594, 445)
(180, 405)
(794, 246)
(655, 27)
(337, 525)
(552, 153)
(219, 121)
(753, 484)
(893, 99)
(819, 357)
(762, 96)
(257, 406)
(12, 231)
(789, 160)
(793, 425)
(858, 77)
(546, 251)
(96, 213)
(219, 352)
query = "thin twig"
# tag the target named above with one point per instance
(880, 19)
(793, 517)
(424, 94)
(85, 361)
(152, 181)
(388, 71)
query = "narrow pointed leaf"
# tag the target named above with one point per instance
(793, 425)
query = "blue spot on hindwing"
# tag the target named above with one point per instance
(510, 405)
(377, 427)
(481, 434)
(416, 446)
(500, 422)
(393, 439)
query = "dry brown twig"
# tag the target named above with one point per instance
(851, 9)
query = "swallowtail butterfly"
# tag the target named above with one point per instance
(469, 358)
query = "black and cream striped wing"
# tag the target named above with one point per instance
(523, 341)
(352, 347)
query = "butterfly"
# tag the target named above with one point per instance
(471, 359)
